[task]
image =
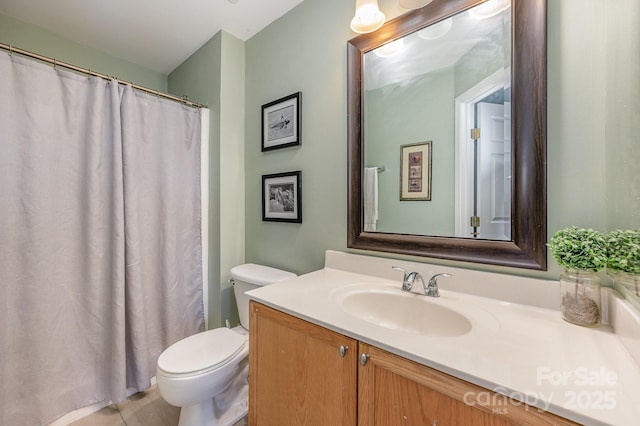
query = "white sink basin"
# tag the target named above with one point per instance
(397, 310)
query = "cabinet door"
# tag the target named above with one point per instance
(395, 391)
(297, 373)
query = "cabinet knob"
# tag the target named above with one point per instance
(364, 358)
(343, 350)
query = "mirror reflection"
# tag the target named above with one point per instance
(437, 129)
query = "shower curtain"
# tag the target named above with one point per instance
(100, 243)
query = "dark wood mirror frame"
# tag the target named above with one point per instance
(527, 249)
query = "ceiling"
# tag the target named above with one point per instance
(156, 34)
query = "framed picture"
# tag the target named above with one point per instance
(281, 122)
(415, 172)
(282, 197)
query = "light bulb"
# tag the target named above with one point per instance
(368, 17)
(489, 9)
(436, 30)
(390, 49)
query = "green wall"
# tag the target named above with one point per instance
(28, 37)
(395, 116)
(592, 100)
(303, 51)
(232, 183)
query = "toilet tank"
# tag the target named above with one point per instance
(251, 276)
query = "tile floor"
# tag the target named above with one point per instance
(142, 409)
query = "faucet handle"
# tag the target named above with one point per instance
(444, 274)
(406, 273)
(409, 277)
(434, 279)
(432, 287)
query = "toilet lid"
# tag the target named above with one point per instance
(259, 274)
(202, 351)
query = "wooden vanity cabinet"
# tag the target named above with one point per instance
(298, 376)
(299, 373)
(396, 391)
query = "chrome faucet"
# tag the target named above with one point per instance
(409, 278)
(430, 288)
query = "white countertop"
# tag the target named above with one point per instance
(526, 352)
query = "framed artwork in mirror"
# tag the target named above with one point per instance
(281, 122)
(415, 172)
(282, 197)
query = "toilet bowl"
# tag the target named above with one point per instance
(206, 374)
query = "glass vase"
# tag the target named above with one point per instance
(629, 282)
(580, 290)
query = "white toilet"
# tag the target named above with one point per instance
(206, 374)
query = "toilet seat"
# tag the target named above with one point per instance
(201, 353)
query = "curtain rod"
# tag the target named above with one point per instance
(57, 63)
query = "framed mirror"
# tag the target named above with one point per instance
(428, 79)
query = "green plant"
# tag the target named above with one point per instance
(623, 251)
(579, 248)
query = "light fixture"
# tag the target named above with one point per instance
(414, 4)
(436, 30)
(489, 9)
(390, 49)
(368, 17)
